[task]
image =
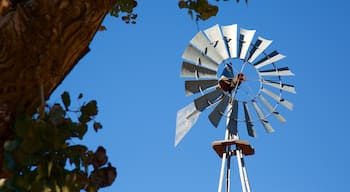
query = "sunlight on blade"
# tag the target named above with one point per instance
(216, 114)
(271, 58)
(196, 71)
(206, 100)
(278, 116)
(203, 44)
(277, 72)
(250, 127)
(284, 87)
(265, 123)
(260, 45)
(195, 86)
(245, 38)
(185, 119)
(232, 124)
(230, 34)
(195, 56)
(277, 98)
(216, 39)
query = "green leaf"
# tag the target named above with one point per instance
(97, 126)
(90, 108)
(82, 129)
(80, 96)
(66, 99)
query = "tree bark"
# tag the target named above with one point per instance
(40, 42)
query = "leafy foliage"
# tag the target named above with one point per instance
(41, 157)
(126, 8)
(202, 9)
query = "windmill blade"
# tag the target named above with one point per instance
(250, 127)
(277, 98)
(270, 58)
(195, 86)
(215, 37)
(228, 71)
(245, 38)
(230, 34)
(185, 119)
(206, 100)
(278, 116)
(277, 72)
(216, 114)
(195, 56)
(202, 43)
(196, 71)
(265, 123)
(260, 45)
(232, 124)
(281, 86)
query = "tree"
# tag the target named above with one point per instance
(40, 42)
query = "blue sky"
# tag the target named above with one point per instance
(133, 73)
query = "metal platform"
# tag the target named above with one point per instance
(220, 147)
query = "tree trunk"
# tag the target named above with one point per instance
(40, 42)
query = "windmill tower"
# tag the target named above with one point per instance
(234, 76)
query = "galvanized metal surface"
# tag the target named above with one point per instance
(215, 37)
(208, 49)
(230, 34)
(196, 86)
(264, 122)
(246, 37)
(216, 115)
(196, 71)
(259, 47)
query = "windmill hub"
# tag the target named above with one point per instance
(244, 84)
(230, 84)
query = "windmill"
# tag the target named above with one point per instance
(234, 76)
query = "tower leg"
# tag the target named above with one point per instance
(228, 170)
(245, 175)
(223, 161)
(240, 168)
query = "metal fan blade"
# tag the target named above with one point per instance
(281, 86)
(260, 45)
(216, 39)
(232, 124)
(277, 72)
(278, 116)
(245, 38)
(195, 86)
(271, 58)
(250, 127)
(230, 34)
(203, 44)
(195, 56)
(265, 123)
(216, 114)
(185, 119)
(196, 71)
(206, 100)
(277, 98)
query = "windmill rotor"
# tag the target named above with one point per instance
(235, 74)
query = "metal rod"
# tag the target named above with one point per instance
(237, 151)
(223, 161)
(228, 170)
(246, 181)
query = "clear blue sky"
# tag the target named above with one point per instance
(133, 73)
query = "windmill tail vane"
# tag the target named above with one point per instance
(186, 118)
(258, 86)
